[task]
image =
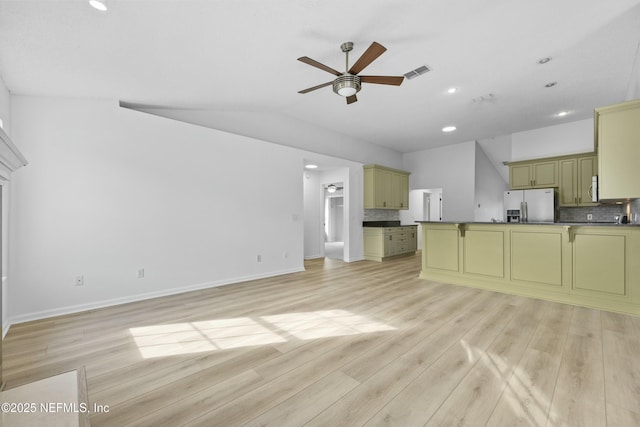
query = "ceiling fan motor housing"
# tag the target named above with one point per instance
(346, 85)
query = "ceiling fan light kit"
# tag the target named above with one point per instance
(346, 85)
(349, 83)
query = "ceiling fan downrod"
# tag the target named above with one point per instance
(346, 48)
(347, 84)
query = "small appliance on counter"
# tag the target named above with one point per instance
(539, 205)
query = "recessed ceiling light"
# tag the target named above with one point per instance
(551, 84)
(311, 166)
(448, 129)
(562, 113)
(452, 90)
(101, 5)
(544, 60)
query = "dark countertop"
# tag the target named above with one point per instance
(564, 224)
(385, 224)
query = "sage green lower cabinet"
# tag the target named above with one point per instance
(442, 247)
(383, 243)
(600, 263)
(484, 252)
(536, 257)
(591, 266)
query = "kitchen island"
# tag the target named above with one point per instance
(586, 264)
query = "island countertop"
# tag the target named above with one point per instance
(574, 224)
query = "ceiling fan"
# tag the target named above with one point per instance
(332, 188)
(348, 83)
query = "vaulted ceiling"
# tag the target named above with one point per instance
(231, 64)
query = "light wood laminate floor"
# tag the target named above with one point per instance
(359, 344)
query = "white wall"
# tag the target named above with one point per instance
(5, 107)
(313, 238)
(633, 90)
(110, 190)
(489, 189)
(282, 129)
(567, 138)
(451, 168)
(498, 150)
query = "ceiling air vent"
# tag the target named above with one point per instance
(417, 72)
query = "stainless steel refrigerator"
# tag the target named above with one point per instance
(539, 205)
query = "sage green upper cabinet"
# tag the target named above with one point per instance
(575, 180)
(403, 190)
(533, 174)
(617, 134)
(520, 176)
(385, 188)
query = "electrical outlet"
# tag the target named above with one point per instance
(259, 258)
(79, 280)
(140, 273)
(589, 217)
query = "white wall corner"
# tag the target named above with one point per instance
(633, 89)
(11, 158)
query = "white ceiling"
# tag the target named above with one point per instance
(213, 59)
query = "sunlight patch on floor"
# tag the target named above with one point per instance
(325, 323)
(220, 334)
(526, 401)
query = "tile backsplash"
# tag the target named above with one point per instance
(381, 215)
(602, 213)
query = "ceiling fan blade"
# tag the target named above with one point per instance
(383, 80)
(317, 64)
(351, 99)
(316, 87)
(375, 50)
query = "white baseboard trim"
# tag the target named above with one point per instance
(5, 329)
(139, 297)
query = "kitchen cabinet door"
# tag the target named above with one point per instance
(587, 168)
(377, 188)
(412, 239)
(618, 142)
(534, 174)
(520, 176)
(545, 174)
(403, 191)
(568, 189)
(383, 187)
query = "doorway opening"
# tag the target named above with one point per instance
(334, 220)
(424, 205)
